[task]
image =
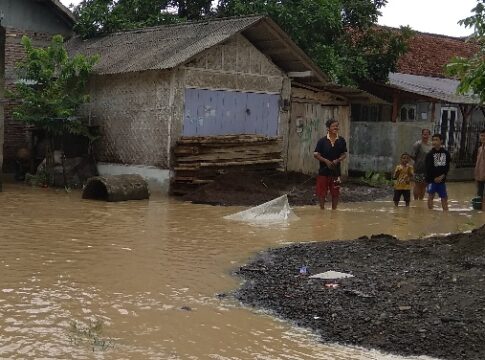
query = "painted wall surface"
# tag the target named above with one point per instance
(133, 113)
(377, 146)
(33, 16)
(309, 113)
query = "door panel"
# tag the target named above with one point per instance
(217, 112)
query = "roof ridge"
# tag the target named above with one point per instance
(64, 9)
(459, 38)
(185, 23)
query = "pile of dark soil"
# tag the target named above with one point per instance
(418, 297)
(256, 187)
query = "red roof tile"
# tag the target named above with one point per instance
(429, 53)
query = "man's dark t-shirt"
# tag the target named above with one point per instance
(437, 164)
(329, 152)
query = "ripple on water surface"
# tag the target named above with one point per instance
(138, 280)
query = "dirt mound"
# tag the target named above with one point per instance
(418, 297)
(254, 188)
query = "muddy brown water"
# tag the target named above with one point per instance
(148, 272)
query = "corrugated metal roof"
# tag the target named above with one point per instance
(157, 48)
(436, 88)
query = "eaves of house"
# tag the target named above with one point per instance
(168, 46)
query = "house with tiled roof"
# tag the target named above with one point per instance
(40, 20)
(420, 95)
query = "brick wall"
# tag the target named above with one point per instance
(16, 134)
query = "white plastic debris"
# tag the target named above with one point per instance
(331, 275)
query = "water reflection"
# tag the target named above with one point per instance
(150, 270)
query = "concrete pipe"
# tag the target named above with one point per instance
(116, 188)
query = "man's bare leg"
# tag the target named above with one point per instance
(334, 202)
(416, 191)
(444, 204)
(430, 201)
(322, 203)
(419, 190)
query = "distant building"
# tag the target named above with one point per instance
(419, 95)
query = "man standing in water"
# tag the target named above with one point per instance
(330, 151)
(420, 149)
(480, 168)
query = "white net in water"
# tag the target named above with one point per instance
(276, 210)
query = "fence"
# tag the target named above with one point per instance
(461, 142)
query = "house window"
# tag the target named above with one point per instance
(408, 112)
(361, 112)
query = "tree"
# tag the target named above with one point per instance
(98, 17)
(50, 88)
(339, 35)
(471, 71)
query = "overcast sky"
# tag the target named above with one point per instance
(433, 16)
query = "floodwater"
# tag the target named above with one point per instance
(84, 279)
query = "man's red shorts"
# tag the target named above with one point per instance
(325, 184)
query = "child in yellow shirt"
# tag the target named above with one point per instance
(403, 174)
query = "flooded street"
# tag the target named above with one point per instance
(147, 274)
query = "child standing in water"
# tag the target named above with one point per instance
(403, 175)
(437, 167)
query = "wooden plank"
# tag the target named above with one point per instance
(228, 156)
(259, 148)
(230, 163)
(242, 138)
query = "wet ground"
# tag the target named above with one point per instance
(415, 297)
(84, 279)
(254, 188)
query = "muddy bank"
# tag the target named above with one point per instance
(255, 188)
(418, 297)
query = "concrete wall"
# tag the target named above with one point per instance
(133, 113)
(29, 15)
(377, 146)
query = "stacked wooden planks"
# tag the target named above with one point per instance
(200, 159)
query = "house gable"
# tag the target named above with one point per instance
(36, 16)
(236, 55)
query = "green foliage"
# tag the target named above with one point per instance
(471, 71)
(339, 35)
(97, 17)
(41, 178)
(51, 87)
(89, 334)
(375, 179)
